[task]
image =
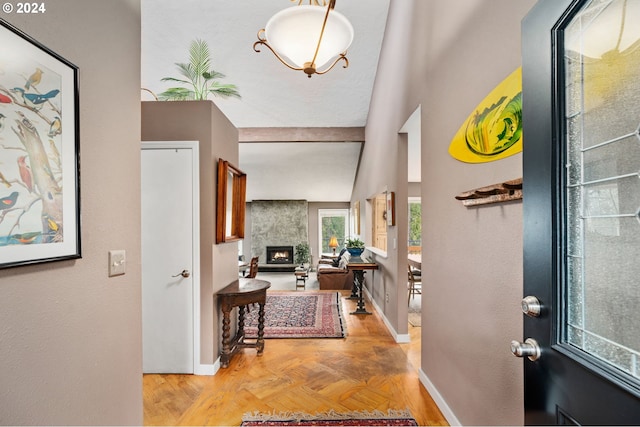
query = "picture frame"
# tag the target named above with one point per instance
(230, 199)
(391, 211)
(39, 153)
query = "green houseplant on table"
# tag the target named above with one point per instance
(302, 253)
(355, 246)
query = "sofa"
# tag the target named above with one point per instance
(333, 274)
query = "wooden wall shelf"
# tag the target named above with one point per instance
(497, 193)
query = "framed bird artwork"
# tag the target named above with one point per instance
(39, 169)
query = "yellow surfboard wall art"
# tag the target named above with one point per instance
(494, 130)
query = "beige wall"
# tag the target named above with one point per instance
(70, 337)
(472, 264)
(202, 121)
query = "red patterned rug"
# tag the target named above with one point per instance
(298, 315)
(331, 418)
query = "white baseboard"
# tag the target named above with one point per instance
(208, 370)
(438, 399)
(399, 338)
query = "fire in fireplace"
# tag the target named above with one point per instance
(279, 254)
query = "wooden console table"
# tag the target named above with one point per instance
(358, 266)
(241, 293)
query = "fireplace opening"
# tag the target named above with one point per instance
(279, 254)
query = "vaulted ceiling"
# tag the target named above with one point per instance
(272, 95)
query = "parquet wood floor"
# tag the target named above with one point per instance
(365, 371)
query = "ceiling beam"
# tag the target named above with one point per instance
(281, 134)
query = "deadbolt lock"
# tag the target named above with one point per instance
(531, 306)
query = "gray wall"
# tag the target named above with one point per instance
(278, 223)
(70, 337)
(202, 121)
(472, 258)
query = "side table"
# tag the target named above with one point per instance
(358, 265)
(241, 293)
(302, 274)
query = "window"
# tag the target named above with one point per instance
(332, 222)
(415, 226)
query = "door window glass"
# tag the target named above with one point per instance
(602, 182)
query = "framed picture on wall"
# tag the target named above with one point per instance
(39, 174)
(391, 210)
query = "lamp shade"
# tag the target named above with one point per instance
(294, 32)
(333, 242)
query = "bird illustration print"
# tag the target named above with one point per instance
(35, 100)
(35, 79)
(25, 173)
(8, 201)
(56, 127)
(27, 238)
(38, 162)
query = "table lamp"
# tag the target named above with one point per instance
(333, 243)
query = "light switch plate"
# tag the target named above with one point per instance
(117, 262)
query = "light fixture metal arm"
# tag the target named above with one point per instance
(310, 68)
(343, 56)
(263, 41)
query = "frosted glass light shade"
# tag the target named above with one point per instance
(294, 32)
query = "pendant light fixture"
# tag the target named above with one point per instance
(308, 37)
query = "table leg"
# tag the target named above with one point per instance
(226, 336)
(358, 278)
(354, 287)
(240, 333)
(260, 340)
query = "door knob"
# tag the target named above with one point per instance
(528, 348)
(183, 273)
(531, 306)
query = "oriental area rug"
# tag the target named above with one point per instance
(298, 315)
(331, 418)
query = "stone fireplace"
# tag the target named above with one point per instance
(278, 223)
(279, 255)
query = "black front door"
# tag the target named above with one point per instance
(581, 115)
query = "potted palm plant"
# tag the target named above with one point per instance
(355, 246)
(199, 78)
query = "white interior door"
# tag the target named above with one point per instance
(167, 251)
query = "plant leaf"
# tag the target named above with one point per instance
(199, 57)
(173, 79)
(212, 74)
(225, 91)
(176, 94)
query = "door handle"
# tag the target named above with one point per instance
(528, 348)
(183, 273)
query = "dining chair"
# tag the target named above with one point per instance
(415, 283)
(253, 268)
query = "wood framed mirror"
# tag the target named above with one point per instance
(231, 196)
